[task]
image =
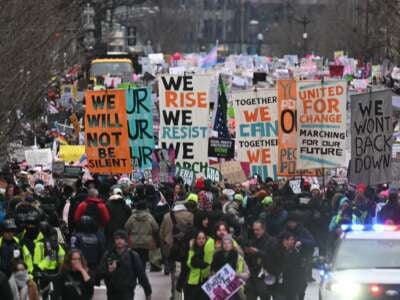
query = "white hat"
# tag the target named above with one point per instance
(315, 187)
(117, 191)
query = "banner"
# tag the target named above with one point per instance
(371, 138)
(163, 170)
(188, 176)
(106, 132)
(257, 130)
(321, 119)
(140, 121)
(38, 157)
(71, 153)
(221, 148)
(223, 285)
(184, 118)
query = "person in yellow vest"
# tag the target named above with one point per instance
(230, 255)
(48, 254)
(11, 249)
(199, 262)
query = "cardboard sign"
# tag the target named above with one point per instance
(371, 138)
(71, 153)
(38, 157)
(232, 171)
(184, 118)
(106, 130)
(46, 178)
(321, 119)
(223, 285)
(257, 130)
(221, 148)
(140, 120)
(295, 185)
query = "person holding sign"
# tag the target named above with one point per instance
(229, 254)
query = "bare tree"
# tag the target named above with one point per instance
(35, 42)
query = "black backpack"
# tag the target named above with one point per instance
(181, 233)
(93, 210)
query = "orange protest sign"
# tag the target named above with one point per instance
(287, 132)
(106, 132)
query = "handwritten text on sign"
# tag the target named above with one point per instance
(106, 128)
(184, 113)
(257, 130)
(223, 285)
(371, 138)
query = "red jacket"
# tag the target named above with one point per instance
(104, 214)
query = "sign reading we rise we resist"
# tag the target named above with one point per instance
(257, 130)
(184, 118)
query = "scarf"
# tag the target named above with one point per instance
(19, 285)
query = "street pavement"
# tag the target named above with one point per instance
(161, 289)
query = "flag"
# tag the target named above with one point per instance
(210, 59)
(220, 122)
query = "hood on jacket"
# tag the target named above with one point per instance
(140, 215)
(115, 197)
(94, 200)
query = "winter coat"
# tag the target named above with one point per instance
(142, 229)
(274, 222)
(5, 290)
(70, 285)
(119, 214)
(263, 257)
(166, 235)
(305, 237)
(129, 270)
(29, 292)
(389, 212)
(199, 263)
(103, 211)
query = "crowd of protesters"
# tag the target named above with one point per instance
(60, 241)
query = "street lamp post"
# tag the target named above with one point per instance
(260, 39)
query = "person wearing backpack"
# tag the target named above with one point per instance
(121, 268)
(142, 231)
(175, 233)
(94, 207)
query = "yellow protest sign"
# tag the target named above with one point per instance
(70, 153)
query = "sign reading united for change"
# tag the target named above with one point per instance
(287, 133)
(257, 130)
(371, 138)
(184, 117)
(321, 119)
(140, 120)
(106, 132)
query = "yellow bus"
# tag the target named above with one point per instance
(115, 67)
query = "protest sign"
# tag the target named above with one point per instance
(106, 130)
(38, 157)
(187, 175)
(46, 178)
(140, 121)
(57, 168)
(223, 285)
(232, 171)
(287, 133)
(72, 172)
(163, 165)
(371, 138)
(295, 185)
(71, 153)
(257, 130)
(321, 119)
(184, 118)
(221, 148)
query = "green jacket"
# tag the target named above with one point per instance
(49, 262)
(25, 255)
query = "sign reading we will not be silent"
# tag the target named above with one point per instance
(106, 129)
(184, 118)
